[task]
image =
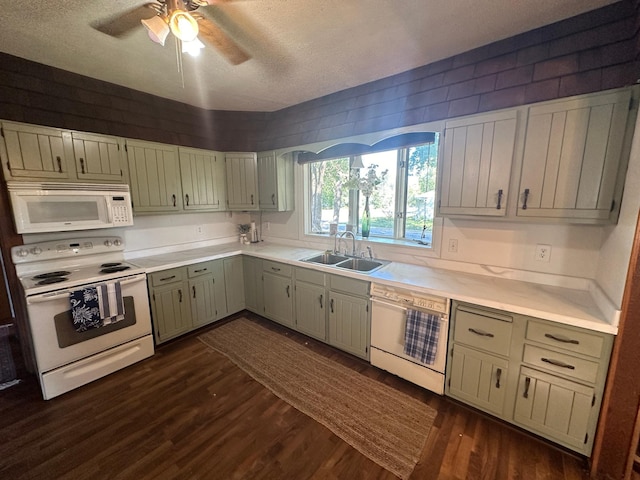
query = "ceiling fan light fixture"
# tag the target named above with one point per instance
(157, 29)
(193, 47)
(183, 25)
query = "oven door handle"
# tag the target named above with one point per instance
(45, 297)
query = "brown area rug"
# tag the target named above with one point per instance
(386, 425)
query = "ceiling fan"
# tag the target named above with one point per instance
(181, 18)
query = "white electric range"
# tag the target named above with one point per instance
(50, 274)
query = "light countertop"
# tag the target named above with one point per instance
(563, 305)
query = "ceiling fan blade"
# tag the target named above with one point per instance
(123, 24)
(214, 36)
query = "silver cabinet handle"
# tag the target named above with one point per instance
(481, 333)
(561, 339)
(558, 363)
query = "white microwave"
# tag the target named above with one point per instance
(62, 207)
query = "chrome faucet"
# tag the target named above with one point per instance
(353, 238)
(370, 252)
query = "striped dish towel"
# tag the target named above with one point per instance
(421, 336)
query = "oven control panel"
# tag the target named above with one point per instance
(59, 249)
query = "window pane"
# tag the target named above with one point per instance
(382, 199)
(328, 198)
(421, 186)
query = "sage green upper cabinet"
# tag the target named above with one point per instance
(154, 177)
(275, 182)
(98, 157)
(571, 158)
(476, 164)
(203, 179)
(242, 181)
(35, 152)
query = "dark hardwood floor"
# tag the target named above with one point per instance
(189, 413)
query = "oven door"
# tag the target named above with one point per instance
(55, 341)
(388, 321)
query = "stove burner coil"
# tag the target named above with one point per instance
(50, 280)
(119, 268)
(111, 264)
(61, 273)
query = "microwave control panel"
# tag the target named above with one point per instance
(121, 211)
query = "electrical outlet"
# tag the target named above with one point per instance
(543, 253)
(453, 245)
(200, 230)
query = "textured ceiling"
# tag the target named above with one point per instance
(301, 49)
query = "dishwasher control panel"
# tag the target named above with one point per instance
(411, 299)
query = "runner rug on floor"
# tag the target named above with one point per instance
(386, 425)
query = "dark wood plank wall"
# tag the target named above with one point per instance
(591, 52)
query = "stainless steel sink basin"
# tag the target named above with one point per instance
(360, 264)
(326, 259)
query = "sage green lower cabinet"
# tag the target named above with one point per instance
(278, 292)
(234, 282)
(170, 308)
(311, 300)
(207, 292)
(252, 268)
(479, 379)
(349, 315)
(543, 376)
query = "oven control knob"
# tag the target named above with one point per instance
(36, 250)
(108, 243)
(117, 242)
(22, 252)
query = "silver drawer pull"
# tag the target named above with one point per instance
(561, 339)
(558, 363)
(167, 278)
(481, 333)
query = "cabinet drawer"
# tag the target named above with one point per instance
(310, 276)
(561, 363)
(474, 327)
(587, 343)
(167, 276)
(277, 268)
(200, 269)
(349, 285)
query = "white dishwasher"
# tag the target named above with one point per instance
(389, 307)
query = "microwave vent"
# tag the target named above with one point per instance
(73, 187)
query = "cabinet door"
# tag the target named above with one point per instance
(278, 298)
(253, 284)
(234, 284)
(98, 157)
(242, 181)
(476, 165)
(203, 179)
(170, 311)
(36, 152)
(478, 378)
(275, 182)
(571, 157)
(311, 318)
(555, 408)
(349, 324)
(203, 300)
(154, 177)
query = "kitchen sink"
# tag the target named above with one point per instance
(326, 258)
(360, 264)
